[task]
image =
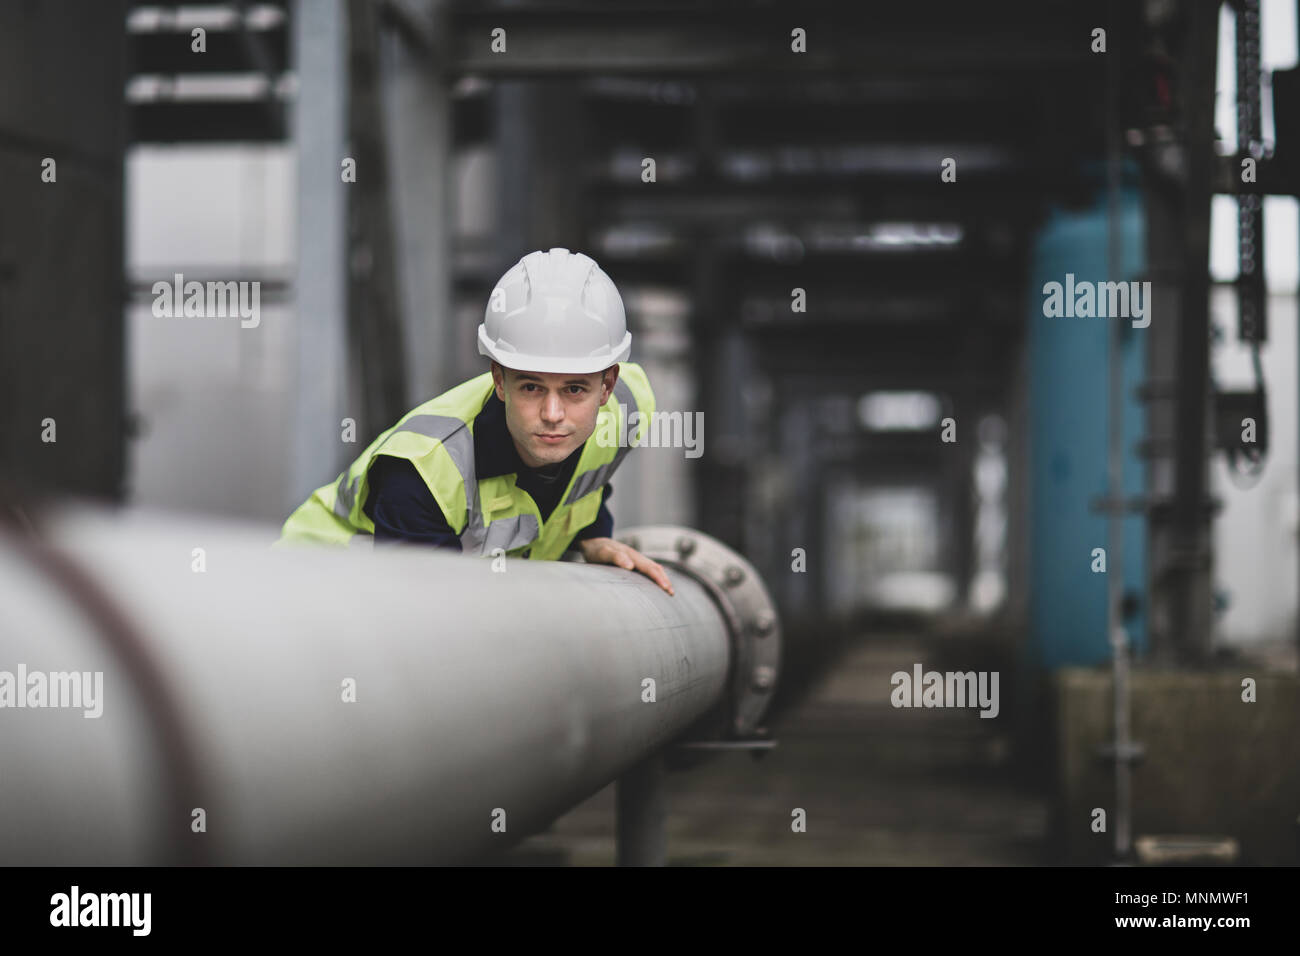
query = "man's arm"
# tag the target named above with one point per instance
(598, 546)
(402, 507)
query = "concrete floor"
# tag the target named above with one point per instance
(880, 786)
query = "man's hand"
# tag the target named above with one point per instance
(609, 551)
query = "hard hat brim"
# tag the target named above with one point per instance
(522, 362)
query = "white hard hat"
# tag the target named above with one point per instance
(555, 311)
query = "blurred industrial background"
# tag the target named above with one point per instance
(840, 262)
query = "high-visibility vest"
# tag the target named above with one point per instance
(488, 513)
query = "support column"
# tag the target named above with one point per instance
(319, 115)
(642, 808)
(1179, 189)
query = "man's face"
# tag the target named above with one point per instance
(550, 414)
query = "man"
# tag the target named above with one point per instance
(516, 461)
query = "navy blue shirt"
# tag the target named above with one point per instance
(403, 508)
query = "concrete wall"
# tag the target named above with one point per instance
(1255, 534)
(1214, 765)
(211, 395)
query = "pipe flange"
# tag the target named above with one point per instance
(753, 626)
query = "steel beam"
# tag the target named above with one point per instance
(1179, 184)
(319, 128)
(702, 39)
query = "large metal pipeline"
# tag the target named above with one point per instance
(400, 705)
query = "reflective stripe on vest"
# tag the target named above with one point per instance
(453, 434)
(479, 538)
(589, 481)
